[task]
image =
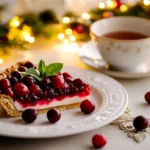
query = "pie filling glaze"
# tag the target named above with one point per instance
(26, 91)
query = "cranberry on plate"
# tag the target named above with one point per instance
(53, 115)
(87, 106)
(29, 115)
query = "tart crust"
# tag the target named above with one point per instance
(7, 102)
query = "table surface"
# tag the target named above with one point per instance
(115, 137)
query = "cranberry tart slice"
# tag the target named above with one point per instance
(24, 86)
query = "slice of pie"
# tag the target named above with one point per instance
(24, 86)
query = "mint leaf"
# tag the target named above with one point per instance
(34, 73)
(42, 67)
(53, 69)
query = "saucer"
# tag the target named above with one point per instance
(90, 56)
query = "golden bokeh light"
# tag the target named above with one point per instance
(68, 31)
(111, 4)
(61, 36)
(101, 5)
(66, 20)
(72, 38)
(15, 22)
(86, 16)
(123, 8)
(146, 2)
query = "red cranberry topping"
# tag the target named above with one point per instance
(29, 115)
(28, 80)
(50, 92)
(33, 97)
(78, 82)
(13, 80)
(45, 82)
(29, 65)
(99, 140)
(20, 90)
(147, 97)
(73, 90)
(9, 92)
(84, 88)
(67, 75)
(87, 106)
(5, 83)
(22, 69)
(16, 74)
(140, 123)
(53, 115)
(57, 81)
(61, 91)
(35, 89)
(68, 80)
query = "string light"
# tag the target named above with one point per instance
(65, 41)
(29, 38)
(146, 2)
(15, 22)
(101, 5)
(72, 38)
(111, 4)
(86, 16)
(66, 20)
(123, 8)
(61, 36)
(68, 31)
(13, 33)
(1, 60)
(26, 34)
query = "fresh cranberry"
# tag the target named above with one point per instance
(73, 90)
(35, 89)
(84, 88)
(29, 65)
(9, 92)
(53, 115)
(61, 91)
(5, 83)
(16, 74)
(140, 123)
(20, 90)
(43, 95)
(22, 69)
(87, 106)
(45, 82)
(13, 80)
(67, 75)
(99, 140)
(147, 97)
(68, 80)
(50, 92)
(57, 81)
(32, 96)
(28, 80)
(78, 82)
(29, 115)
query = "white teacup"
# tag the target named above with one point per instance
(123, 55)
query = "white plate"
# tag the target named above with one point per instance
(110, 99)
(90, 56)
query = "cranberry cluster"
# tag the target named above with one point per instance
(27, 89)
